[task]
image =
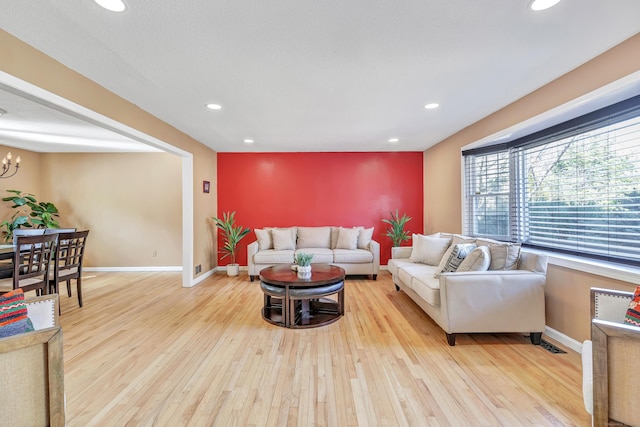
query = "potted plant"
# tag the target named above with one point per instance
(303, 260)
(397, 232)
(231, 236)
(30, 213)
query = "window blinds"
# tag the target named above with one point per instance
(573, 188)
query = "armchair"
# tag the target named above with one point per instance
(31, 368)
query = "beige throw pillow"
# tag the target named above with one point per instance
(347, 238)
(314, 237)
(264, 239)
(364, 237)
(504, 257)
(478, 259)
(282, 239)
(428, 250)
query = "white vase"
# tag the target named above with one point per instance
(233, 269)
(304, 272)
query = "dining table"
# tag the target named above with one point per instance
(7, 251)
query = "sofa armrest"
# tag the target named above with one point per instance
(401, 252)
(493, 301)
(252, 249)
(374, 247)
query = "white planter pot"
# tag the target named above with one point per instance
(304, 272)
(233, 269)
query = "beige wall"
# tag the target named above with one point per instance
(28, 64)
(567, 292)
(130, 202)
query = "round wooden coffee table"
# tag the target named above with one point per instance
(293, 302)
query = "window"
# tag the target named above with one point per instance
(573, 188)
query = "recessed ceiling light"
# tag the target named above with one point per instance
(248, 141)
(394, 140)
(112, 5)
(542, 4)
(214, 106)
(432, 105)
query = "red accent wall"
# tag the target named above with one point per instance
(316, 189)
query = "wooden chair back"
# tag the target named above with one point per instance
(31, 262)
(68, 260)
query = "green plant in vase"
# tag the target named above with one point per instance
(231, 236)
(30, 213)
(396, 232)
(303, 260)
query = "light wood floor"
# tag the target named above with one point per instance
(144, 351)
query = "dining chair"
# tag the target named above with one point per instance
(58, 230)
(21, 232)
(31, 262)
(67, 262)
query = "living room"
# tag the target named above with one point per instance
(132, 228)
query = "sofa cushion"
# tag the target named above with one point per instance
(357, 256)
(263, 236)
(478, 260)
(348, 238)
(406, 273)
(320, 255)
(271, 256)
(394, 264)
(364, 237)
(314, 237)
(428, 250)
(504, 256)
(282, 239)
(457, 255)
(428, 287)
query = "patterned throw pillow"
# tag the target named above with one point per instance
(13, 314)
(633, 312)
(458, 254)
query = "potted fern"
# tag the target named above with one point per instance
(231, 236)
(396, 232)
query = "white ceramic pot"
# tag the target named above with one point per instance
(233, 269)
(304, 272)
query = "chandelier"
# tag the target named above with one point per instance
(6, 166)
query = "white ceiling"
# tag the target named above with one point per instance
(320, 75)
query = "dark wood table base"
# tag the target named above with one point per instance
(292, 302)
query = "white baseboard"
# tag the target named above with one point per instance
(205, 275)
(563, 339)
(130, 269)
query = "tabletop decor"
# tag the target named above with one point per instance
(303, 260)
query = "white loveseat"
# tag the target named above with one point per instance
(474, 293)
(350, 248)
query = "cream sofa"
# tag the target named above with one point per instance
(474, 293)
(350, 248)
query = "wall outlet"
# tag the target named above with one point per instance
(198, 268)
(154, 253)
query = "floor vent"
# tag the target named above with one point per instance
(551, 348)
